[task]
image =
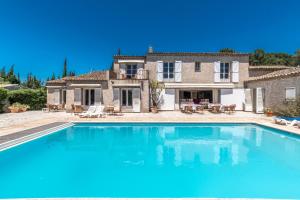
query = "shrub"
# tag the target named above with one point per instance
(3, 97)
(289, 109)
(18, 107)
(34, 98)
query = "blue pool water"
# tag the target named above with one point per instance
(154, 160)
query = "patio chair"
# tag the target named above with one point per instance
(200, 109)
(89, 112)
(232, 108)
(216, 109)
(188, 109)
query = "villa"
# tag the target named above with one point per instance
(218, 78)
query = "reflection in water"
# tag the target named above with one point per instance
(179, 145)
(156, 160)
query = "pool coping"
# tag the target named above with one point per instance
(31, 134)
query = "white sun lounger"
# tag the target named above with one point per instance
(288, 123)
(98, 112)
(90, 111)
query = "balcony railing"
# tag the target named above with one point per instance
(141, 74)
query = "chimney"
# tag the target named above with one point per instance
(150, 49)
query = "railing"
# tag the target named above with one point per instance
(141, 74)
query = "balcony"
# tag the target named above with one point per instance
(140, 74)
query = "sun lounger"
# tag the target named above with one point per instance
(285, 122)
(98, 112)
(88, 113)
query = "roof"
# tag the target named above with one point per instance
(94, 76)
(269, 67)
(292, 71)
(196, 54)
(62, 80)
(128, 57)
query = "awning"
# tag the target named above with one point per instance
(199, 85)
(55, 86)
(127, 85)
(85, 85)
(131, 61)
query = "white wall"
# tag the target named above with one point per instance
(167, 99)
(233, 96)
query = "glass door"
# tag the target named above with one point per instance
(126, 95)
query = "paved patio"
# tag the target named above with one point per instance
(15, 122)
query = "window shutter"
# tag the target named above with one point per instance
(159, 70)
(77, 96)
(116, 97)
(97, 96)
(56, 96)
(217, 71)
(235, 71)
(290, 93)
(178, 66)
(136, 104)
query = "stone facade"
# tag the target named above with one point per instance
(275, 89)
(109, 80)
(206, 75)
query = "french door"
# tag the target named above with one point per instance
(126, 95)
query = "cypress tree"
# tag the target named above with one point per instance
(65, 70)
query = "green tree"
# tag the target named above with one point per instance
(3, 73)
(65, 70)
(227, 50)
(71, 73)
(297, 58)
(258, 57)
(53, 76)
(11, 77)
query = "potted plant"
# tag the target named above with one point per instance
(269, 112)
(18, 107)
(156, 89)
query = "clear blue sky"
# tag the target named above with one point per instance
(36, 35)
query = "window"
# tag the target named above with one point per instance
(131, 71)
(290, 93)
(197, 67)
(168, 71)
(224, 71)
(89, 97)
(92, 97)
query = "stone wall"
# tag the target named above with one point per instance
(275, 89)
(206, 75)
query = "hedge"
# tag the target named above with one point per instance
(3, 97)
(35, 98)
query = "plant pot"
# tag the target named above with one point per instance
(154, 110)
(269, 114)
(14, 110)
(23, 109)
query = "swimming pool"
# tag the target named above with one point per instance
(154, 160)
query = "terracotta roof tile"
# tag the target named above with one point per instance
(97, 75)
(292, 71)
(196, 54)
